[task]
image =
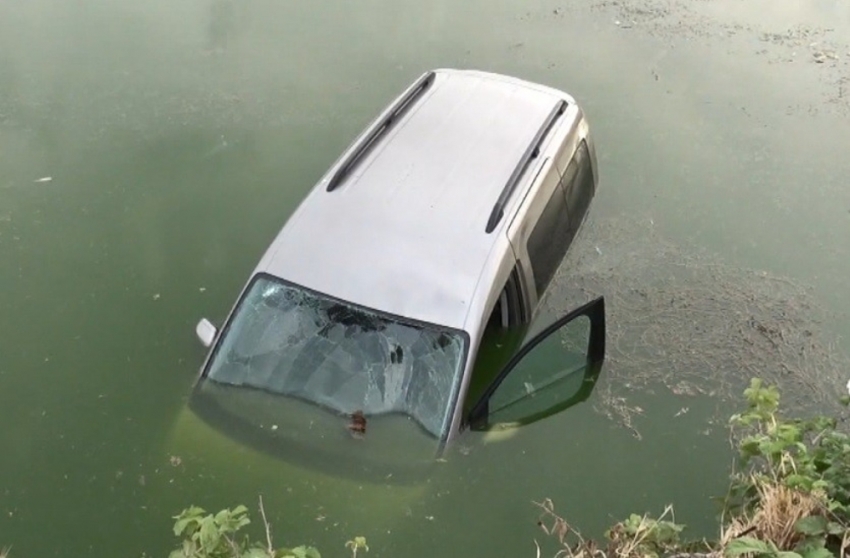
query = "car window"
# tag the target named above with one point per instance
(290, 341)
(549, 239)
(551, 372)
(577, 182)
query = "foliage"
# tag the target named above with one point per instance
(791, 490)
(644, 536)
(789, 497)
(215, 536)
(637, 536)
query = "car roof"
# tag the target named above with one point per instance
(404, 231)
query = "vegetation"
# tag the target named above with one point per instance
(789, 497)
(215, 536)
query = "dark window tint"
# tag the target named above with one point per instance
(578, 185)
(549, 240)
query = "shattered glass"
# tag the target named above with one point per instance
(290, 341)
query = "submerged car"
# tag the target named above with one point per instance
(395, 302)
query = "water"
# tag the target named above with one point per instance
(178, 138)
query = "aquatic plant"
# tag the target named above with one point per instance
(680, 317)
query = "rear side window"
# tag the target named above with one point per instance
(549, 240)
(578, 184)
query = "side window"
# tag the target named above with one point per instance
(548, 242)
(554, 371)
(578, 185)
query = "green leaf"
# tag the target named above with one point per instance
(301, 552)
(190, 515)
(787, 554)
(239, 510)
(256, 552)
(222, 517)
(798, 481)
(749, 446)
(744, 545)
(834, 528)
(817, 553)
(181, 524)
(209, 534)
(812, 525)
(820, 484)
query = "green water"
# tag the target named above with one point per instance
(179, 136)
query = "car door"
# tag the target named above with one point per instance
(554, 370)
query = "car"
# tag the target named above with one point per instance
(396, 301)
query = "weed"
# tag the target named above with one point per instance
(789, 497)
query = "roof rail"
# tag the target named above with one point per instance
(530, 154)
(381, 128)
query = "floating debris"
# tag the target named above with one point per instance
(680, 318)
(44, 179)
(357, 424)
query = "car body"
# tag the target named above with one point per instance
(401, 289)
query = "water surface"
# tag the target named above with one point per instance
(177, 138)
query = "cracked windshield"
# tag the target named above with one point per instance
(288, 341)
(151, 151)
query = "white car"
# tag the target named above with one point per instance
(397, 297)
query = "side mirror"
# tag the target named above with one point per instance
(206, 332)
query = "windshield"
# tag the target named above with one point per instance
(288, 340)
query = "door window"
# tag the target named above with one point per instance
(556, 369)
(552, 372)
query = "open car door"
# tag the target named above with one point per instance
(554, 370)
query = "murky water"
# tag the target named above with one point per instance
(149, 151)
